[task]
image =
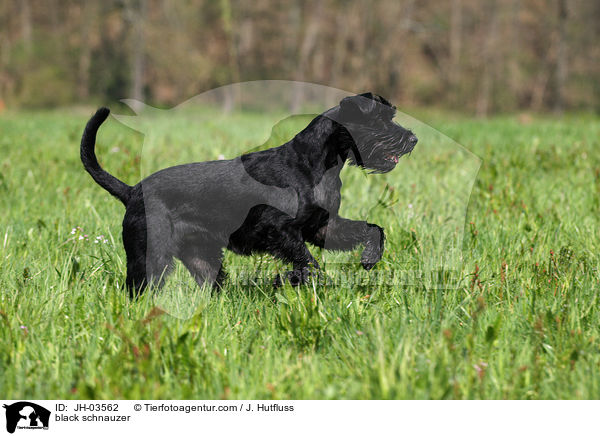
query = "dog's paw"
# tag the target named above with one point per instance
(367, 265)
(294, 278)
(373, 247)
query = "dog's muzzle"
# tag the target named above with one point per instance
(408, 147)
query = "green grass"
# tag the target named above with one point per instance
(519, 319)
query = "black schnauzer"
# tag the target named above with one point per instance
(272, 201)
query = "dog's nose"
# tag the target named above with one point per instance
(413, 140)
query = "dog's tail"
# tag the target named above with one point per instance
(90, 163)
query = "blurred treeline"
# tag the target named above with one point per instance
(475, 56)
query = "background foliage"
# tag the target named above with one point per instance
(477, 57)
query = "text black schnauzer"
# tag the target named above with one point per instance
(272, 201)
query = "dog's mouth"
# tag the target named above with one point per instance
(394, 158)
(390, 159)
(385, 153)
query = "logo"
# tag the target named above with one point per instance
(26, 415)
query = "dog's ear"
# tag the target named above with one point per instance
(357, 106)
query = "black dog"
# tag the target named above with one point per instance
(272, 201)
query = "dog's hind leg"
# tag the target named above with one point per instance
(205, 270)
(290, 247)
(148, 256)
(159, 264)
(145, 267)
(136, 280)
(204, 261)
(134, 240)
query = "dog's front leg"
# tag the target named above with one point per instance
(344, 234)
(294, 250)
(374, 242)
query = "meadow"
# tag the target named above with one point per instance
(518, 320)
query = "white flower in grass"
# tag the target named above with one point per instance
(78, 232)
(100, 239)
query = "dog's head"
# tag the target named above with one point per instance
(376, 141)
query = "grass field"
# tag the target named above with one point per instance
(522, 322)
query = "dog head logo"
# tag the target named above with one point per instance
(26, 415)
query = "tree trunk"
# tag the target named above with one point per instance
(4, 52)
(311, 33)
(514, 78)
(539, 88)
(455, 48)
(561, 56)
(231, 92)
(489, 59)
(139, 48)
(83, 74)
(339, 53)
(26, 26)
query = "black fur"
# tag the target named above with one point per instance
(90, 163)
(272, 201)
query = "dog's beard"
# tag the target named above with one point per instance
(379, 150)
